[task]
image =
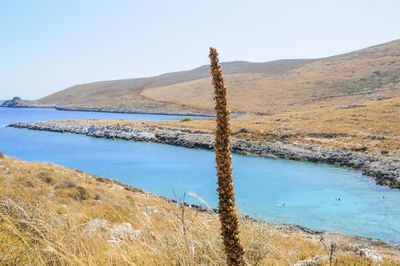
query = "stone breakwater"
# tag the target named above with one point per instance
(386, 170)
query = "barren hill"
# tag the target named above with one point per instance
(254, 88)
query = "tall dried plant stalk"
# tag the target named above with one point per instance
(226, 194)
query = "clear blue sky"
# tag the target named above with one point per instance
(47, 46)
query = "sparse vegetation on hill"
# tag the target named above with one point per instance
(51, 215)
(323, 83)
(255, 88)
(186, 119)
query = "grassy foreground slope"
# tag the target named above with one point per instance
(56, 216)
(255, 88)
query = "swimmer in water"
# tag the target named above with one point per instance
(283, 204)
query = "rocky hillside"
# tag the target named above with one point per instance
(51, 215)
(254, 88)
(14, 102)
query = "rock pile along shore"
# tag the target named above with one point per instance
(386, 170)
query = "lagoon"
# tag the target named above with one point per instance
(310, 191)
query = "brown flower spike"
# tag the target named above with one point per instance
(226, 194)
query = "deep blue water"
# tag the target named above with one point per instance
(309, 190)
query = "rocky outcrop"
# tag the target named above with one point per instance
(385, 169)
(14, 102)
(124, 231)
(308, 262)
(369, 254)
(97, 226)
(121, 232)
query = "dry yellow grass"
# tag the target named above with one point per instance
(44, 209)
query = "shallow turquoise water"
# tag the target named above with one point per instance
(309, 190)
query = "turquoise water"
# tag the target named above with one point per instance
(309, 190)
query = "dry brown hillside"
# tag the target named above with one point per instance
(255, 88)
(353, 78)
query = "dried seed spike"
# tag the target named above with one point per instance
(226, 194)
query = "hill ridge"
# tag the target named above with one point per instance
(262, 88)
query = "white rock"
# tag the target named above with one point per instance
(146, 135)
(369, 254)
(117, 187)
(308, 262)
(151, 210)
(124, 231)
(97, 226)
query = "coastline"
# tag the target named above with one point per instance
(72, 202)
(45, 107)
(385, 170)
(282, 227)
(129, 111)
(119, 110)
(125, 111)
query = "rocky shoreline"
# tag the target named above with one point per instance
(360, 242)
(386, 170)
(18, 102)
(132, 111)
